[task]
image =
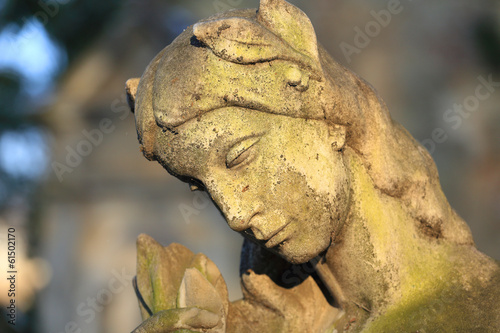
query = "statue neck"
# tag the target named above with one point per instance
(380, 258)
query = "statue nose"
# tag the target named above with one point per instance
(241, 213)
(255, 233)
(257, 229)
(240, 224)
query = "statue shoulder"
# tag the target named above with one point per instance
(474, 309)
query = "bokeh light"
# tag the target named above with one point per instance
(24, 153)
(29, 51)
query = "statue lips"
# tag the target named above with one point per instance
(277, 237)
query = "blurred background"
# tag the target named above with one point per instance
(78, 191)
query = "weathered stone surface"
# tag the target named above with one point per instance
(347, 226)
(181, 289)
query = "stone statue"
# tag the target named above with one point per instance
(346, 226)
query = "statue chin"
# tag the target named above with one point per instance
(297, 253)
(300, 258)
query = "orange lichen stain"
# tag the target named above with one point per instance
(348, 325)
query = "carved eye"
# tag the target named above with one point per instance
(240, 153)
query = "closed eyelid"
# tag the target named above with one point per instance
(239, 149)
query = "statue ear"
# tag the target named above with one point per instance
(131, 89)
(292, 25)
(337, 135)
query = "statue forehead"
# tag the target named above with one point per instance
(224, 123)
(186, 148)
(233, 123)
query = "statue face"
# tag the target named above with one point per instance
(277, 180)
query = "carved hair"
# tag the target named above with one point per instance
(318, 88)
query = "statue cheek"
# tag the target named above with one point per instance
(235, 198)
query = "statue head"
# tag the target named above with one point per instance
(249, 107)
